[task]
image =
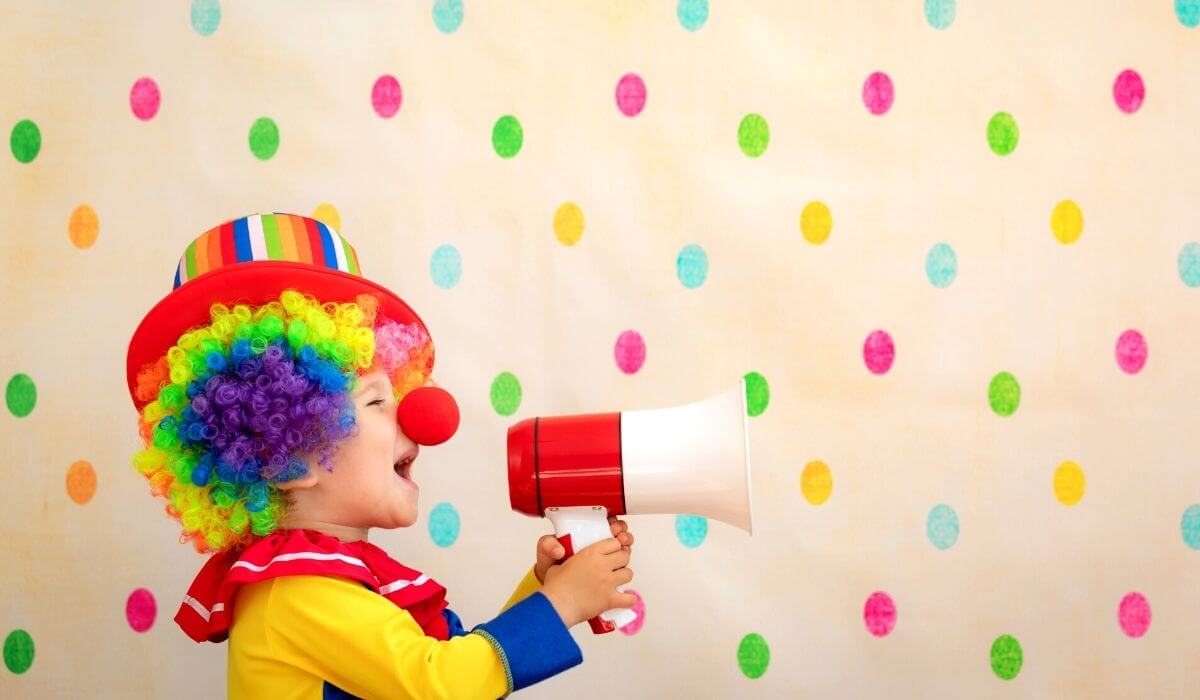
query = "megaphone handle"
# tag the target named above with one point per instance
(577, 527)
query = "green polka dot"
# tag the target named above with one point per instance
(1003, 133)
(25, 141)
(1004, 394)
(264, 138)
(507, 136)
(18, 651)
(753, 135)
(753, 655)
(21, 395)
(506, 393)
(758, 394)
(1007, 657)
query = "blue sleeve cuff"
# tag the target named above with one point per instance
(532, 641)
(453, 622)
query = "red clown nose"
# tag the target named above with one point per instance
(429, 415)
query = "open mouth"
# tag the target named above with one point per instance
(403, 466)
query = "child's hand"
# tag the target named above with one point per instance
(585, 585)
(550, 551)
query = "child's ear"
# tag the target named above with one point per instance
(309, 480)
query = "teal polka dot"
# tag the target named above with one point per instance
(692, 266)
(445, 266)
(206, 16)
(448, 15)
(1188, 12)
(940, 13)
(942, 526)
(444, 524)
(692, 13)
(941, 265)
(1189, 264)
(691, 530)
(1190, 527)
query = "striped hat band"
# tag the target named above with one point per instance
(261, 237)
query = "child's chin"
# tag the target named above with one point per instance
(406, 519)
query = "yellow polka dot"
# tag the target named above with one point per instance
(84, 226)
(1069, 483)
(81, 482)
(816, 483)
(1067, 222)
(328, 215)
(568, 223)
(816, 222)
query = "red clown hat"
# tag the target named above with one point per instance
(252, 260)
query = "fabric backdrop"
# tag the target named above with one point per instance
(952, 247)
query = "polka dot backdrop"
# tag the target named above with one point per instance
(937, 245)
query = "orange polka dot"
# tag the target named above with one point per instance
(84, 226)
(81, 482)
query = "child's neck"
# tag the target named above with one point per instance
(345, 533)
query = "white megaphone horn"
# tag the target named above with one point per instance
(578, 470)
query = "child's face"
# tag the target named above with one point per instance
(370, 485)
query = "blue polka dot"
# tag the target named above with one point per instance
(940, 13)
(1191, 526)
(446, 266)
(206, 15)
(443, 525)
(1188, 12)
(692, 266)
(448, 15)
(942, 526)
(692, 13)
(1189, 264)
(691, 530)
(941, 265)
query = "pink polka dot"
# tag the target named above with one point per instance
(1129, 91)
(1134, 614)
(140, 610)
(640, 608)
(1131, 352)
(630, 352)
(878, 93)
(879, 352)
(879, 614)
(631, 94)
(144, 99)
(386, 96)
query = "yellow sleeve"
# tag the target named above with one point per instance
(527, 587)
(359, 641)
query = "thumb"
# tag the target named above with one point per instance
(551, 547)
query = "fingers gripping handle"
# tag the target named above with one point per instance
(577, 527)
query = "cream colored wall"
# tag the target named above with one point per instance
(897, 444)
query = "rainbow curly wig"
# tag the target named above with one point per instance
(245, 402)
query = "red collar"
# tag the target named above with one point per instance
(207, 610)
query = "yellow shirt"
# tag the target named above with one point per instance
(309, 637)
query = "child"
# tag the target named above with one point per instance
(268, 385)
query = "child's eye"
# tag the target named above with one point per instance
(376, 402)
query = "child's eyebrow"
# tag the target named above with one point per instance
(373, 383)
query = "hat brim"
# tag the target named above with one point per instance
(253, 283)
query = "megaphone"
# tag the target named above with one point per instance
(578, 470)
